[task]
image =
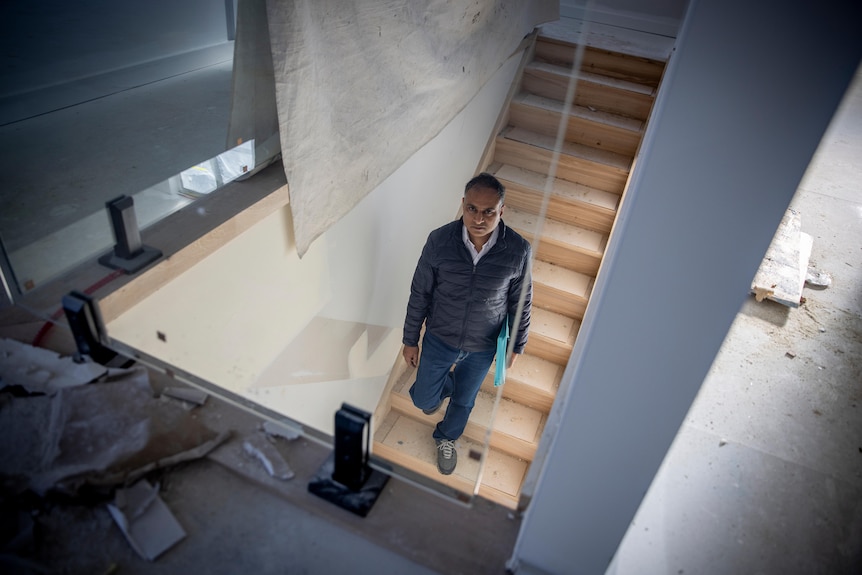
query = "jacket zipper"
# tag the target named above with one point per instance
(467, 311)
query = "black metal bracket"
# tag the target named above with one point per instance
(129, 254)
(87, 327)
(345, 478)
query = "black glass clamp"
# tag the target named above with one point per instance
(345, 478)
(129, 253)
(85, 321)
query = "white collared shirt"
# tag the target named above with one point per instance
(477, 255)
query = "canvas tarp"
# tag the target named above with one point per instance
(360, 86)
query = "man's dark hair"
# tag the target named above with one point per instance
(486, 180)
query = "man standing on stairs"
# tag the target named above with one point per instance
(468, 282)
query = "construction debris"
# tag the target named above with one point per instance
(259, 447)
(782, 273)
(187, 394)
(145, 520)
(279, 430)
(106, 433)
(39, 370)
(818, 279)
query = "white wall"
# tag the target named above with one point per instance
(744, 104)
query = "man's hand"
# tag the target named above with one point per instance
(512, 359)
(411, 355)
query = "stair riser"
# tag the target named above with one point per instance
(578, 130)
(564, 255)
(563, 303)
(561, 209)
(578, 170)
(631, 68)
(522, 393)
(549, 349)
(589, 94)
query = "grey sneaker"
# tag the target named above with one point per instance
(447, 457)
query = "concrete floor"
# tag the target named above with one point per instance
(765, 475)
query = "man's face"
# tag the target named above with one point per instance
(482, 212)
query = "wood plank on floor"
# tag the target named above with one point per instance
(781, 275)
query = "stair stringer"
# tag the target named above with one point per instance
(520, 393)
(552, 423)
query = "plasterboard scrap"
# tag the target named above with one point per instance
(40, 370)
(258, 446)
(818, 279)
(145, 520)
(782, 273)
(191, 395)
(279, 430)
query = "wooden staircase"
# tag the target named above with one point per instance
(613, 99)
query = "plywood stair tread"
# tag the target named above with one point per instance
(632, 125)
(567, 202)
(521, 179)
(573, 237)
(562, 279)
(554, 326)
(550, 69)
(612, 160)
(408, 442)
(552, 336)
(532, 381)
(516, 428)
(561, 290)
(637, 66)
(575, 162)
(584, 124)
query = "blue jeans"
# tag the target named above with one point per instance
(436, 380)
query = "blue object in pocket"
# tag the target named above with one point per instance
(500, 360)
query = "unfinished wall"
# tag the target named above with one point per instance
(302, 336)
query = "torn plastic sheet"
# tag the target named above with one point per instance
(103, 434)
(40, 370)
(363, 85)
